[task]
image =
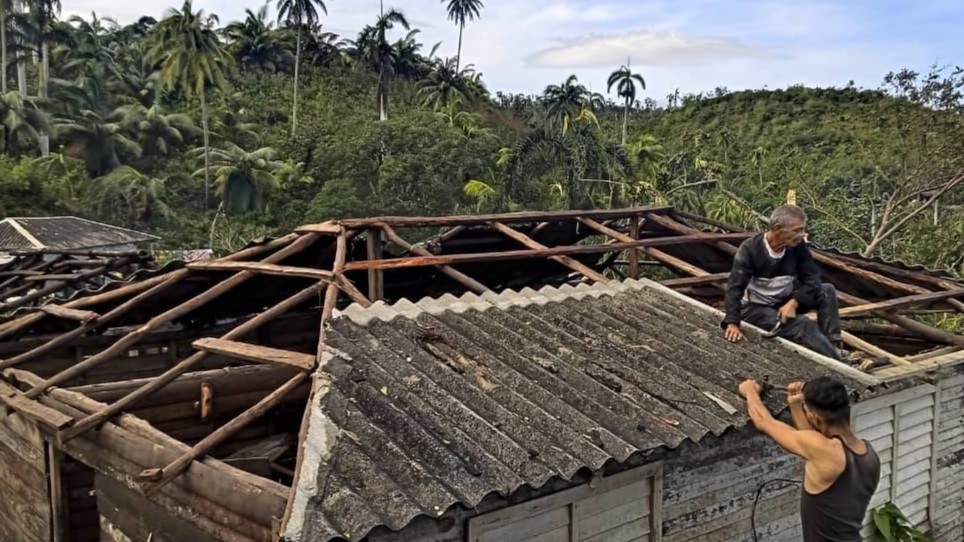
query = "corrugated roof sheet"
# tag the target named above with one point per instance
(66, 233)
(426, 405)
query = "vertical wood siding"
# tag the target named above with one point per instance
(24, 501)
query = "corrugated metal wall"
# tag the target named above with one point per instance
(708, 493)
(948, 499)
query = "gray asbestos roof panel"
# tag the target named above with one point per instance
(432, 407)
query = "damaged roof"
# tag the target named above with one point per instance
(64, 233)
(421, 406)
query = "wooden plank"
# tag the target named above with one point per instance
(613, 516)
(463, 279)
(53, 277)
(67, 313)
(901, 302)
(572, 264)
(627, 532)
(263, 268)
(505, 218)
(376, 279)
(255, 353)
(160, 477)
(538, 253)
(185, 365)
(324, 228)
(522, 529)
(58, 500)
(714, 278)
(48, 417)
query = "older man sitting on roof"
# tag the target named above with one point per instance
(775, 282)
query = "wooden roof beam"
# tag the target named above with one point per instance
(505, 218)
(263, 268)
(463, 279)
(572, 264)
(901, 302)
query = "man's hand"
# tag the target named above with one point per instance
(795, 393)
(750, 388)
(733, 333)
(788, 311)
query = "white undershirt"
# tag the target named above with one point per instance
(774, 255)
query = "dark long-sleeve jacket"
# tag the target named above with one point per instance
(758, 278)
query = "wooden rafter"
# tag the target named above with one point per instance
(457, 276)
(572, 264)
(255, 353)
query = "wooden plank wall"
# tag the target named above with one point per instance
(24, 504)
(948, 498)
(709, 491)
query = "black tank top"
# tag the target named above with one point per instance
(837, 514)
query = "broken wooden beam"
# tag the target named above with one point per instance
(60, 311)
(255, 353)
(58, 285)
(527, 241)
(184, 365)
(264, 269)
(43, 415)
(324, 228)
(463, 279)
(684, 282)
(901, 302)
(160, 477)
(168, 316)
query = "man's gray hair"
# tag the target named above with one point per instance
(785, 214)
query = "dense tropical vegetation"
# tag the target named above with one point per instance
(212, 132)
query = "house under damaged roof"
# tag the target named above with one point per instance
(499, 381)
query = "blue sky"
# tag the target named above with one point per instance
(693, 45)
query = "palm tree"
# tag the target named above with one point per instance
(758, 158)
(156, 132)
(6, 6)
(99, 140)
(461, 11)
(301, 14)
(22, 121)
(244, 179)
(372, 48)
(127, 196)
(191, 57)
(565, 102)
(43, 12)
(445, 85)
(256, 44)
(648, 155)
(625, 81)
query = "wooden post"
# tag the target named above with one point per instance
(171, 374)
(59, 512)
(463, 279)
(525, 240)
(634, 254)
(376, 277)
(160, 477)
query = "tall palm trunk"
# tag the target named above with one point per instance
(207, 157)
(458, 54)
(625, 120)
(3, 44)
(382, 95)
(21, 64)
(44, 139)
(294, 105)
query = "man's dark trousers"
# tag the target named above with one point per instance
(818, 336)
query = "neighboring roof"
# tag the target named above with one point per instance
(425, 405)
(64, 233)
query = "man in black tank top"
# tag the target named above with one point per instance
(841, 470)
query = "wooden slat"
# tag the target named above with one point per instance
(505, 218)
(67, 313)
(324, 228)
(255, 353)
(376, 279)
(634, 255)
(509, 255)
(714, 278)
(46, 416)
(525, 240)
(53, 277)
(901, 302)
(160, 477)
(263, 268)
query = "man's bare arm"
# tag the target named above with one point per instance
(801, 443)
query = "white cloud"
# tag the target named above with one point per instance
(645, 48)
